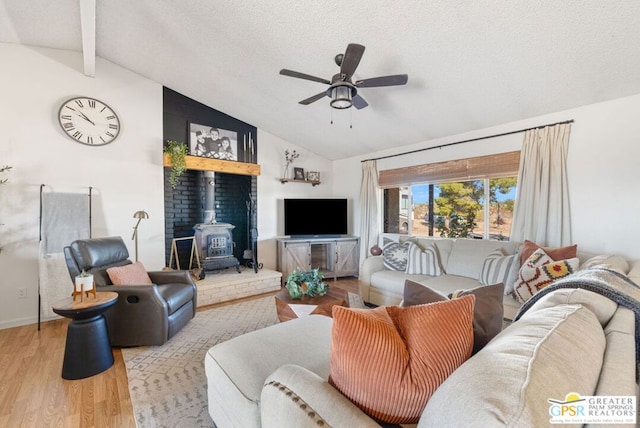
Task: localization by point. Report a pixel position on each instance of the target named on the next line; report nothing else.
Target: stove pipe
(209, 198)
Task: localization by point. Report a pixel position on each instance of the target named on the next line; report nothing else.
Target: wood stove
(214, 240)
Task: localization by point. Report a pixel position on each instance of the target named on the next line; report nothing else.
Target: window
(454, 208)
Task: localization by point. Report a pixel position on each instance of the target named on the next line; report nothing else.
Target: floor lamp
(139, 215)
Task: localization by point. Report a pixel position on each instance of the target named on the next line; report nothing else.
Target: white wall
(271, 192)
(603, 159)
(126, 175)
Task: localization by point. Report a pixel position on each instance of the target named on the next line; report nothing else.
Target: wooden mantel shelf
(217, 165)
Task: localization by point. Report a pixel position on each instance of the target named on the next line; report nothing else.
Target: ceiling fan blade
(351, 59)
(359, 102)
(299, 75)
(396, 79)
(313, 99)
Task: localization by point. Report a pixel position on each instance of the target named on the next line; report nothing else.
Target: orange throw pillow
(133, 274)
(390, 360)
(560, 253)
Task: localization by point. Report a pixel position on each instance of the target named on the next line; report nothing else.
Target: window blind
(475, 168)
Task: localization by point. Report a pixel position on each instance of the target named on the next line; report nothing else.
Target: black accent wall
(184, 205)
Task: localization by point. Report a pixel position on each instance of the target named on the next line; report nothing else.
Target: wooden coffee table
(289, 308)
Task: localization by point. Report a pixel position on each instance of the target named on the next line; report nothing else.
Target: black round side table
(88, 350)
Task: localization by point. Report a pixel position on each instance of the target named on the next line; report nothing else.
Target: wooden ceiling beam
(88, 29)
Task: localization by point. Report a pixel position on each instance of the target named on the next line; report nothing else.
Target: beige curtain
(542, 207)
(368, 208)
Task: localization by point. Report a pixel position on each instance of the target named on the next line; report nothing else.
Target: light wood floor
(33, 393)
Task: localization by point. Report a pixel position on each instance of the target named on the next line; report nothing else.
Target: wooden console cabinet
(335, 257)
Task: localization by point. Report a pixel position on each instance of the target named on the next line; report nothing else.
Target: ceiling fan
(342, 90)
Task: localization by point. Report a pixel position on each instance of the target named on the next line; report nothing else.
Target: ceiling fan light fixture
(341, 97)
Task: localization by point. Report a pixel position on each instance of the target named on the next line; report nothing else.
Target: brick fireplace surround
(184, 208)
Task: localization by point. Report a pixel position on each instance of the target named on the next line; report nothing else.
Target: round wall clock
(89, 121)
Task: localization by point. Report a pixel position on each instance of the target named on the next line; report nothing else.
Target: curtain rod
(470, 140)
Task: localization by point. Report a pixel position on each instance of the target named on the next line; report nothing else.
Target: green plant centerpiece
(308, 283)
(177, 152)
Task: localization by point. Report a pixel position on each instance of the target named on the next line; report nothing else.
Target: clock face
(89, 121)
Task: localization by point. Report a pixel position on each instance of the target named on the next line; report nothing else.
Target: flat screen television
(315, 217)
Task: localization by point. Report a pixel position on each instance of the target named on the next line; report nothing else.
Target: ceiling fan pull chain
(331, 115)
(350, 119)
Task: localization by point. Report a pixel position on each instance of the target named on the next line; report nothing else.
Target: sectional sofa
(570, 341)
(461, 259)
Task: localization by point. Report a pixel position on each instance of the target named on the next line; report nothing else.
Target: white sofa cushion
(468, 255)
(390, 281)
(236, 369)
(509, 381)
(614, 262)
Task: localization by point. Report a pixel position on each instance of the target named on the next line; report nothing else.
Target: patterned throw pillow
(540, 270)
(133, 274)
(498, 268)
(394, 256)
(389, 360)
(424, 262)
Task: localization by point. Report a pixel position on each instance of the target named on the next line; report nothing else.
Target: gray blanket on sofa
(607, 282)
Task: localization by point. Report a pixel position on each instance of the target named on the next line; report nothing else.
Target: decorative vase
(376, 250)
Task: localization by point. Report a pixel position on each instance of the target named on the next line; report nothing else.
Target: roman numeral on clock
(92, 103)
(77, 135)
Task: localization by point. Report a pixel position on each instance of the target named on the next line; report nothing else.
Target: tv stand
(334, 256)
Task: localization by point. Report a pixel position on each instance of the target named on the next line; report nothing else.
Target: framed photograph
(313, 176)
(211, 142)
(298, 173)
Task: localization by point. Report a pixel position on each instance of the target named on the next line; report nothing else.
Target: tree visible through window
(456, 209)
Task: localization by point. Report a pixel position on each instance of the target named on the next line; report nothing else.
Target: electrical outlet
(22, 293)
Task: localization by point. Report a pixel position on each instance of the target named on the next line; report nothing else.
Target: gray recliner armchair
(148, 314)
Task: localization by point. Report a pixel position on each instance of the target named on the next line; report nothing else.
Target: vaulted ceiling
(471, 64)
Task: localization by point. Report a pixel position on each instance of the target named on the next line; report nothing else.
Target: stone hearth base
(228, 285)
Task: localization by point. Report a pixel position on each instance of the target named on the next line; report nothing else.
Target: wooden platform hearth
(222, 286)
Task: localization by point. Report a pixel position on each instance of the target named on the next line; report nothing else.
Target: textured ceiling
(471, 64)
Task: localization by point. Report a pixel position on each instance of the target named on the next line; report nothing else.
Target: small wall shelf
(293, 180)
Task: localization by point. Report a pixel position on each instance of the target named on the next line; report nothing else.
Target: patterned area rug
(167, 383)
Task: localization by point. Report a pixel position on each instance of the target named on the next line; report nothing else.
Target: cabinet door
(347, 258)
(296, 255)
